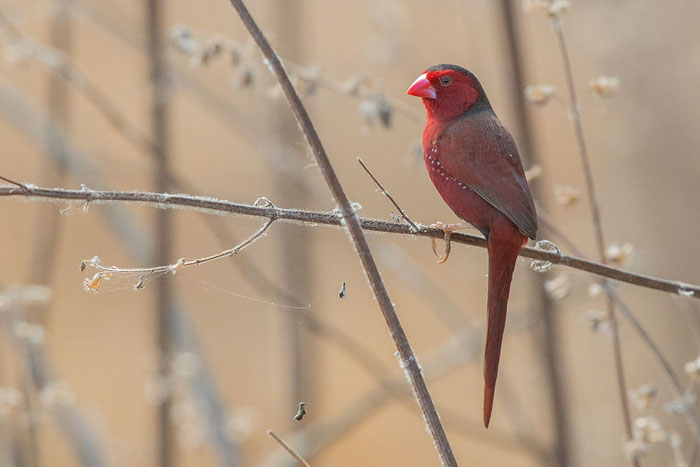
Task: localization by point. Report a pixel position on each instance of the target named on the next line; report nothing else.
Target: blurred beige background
(238, 142)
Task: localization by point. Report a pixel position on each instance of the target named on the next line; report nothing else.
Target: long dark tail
(502, 256)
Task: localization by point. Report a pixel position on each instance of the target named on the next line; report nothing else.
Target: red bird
(474, 164)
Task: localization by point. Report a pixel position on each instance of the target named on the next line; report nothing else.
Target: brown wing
(483, 156)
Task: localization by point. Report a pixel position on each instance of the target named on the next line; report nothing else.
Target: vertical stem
(49, 224)
(575, 115)
(294, 243)
(159, 117)
(549, 343)
(58, 103)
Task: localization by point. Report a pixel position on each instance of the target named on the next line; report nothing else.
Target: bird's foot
(447, 229)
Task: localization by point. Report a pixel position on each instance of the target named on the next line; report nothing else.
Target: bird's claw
(448, 247)
(447, 229)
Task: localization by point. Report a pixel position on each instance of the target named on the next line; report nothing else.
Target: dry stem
(210, 205)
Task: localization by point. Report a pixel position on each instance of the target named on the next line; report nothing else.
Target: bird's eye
(446, 80)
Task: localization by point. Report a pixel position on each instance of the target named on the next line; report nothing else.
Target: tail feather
(502, 257)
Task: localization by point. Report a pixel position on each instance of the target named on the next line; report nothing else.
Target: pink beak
(422, 88)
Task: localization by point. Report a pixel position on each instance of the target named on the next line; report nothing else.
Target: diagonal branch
(216, 206)
(352, 223)
(288, 448)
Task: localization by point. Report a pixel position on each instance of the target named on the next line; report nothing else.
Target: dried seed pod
(566, 195)
(606, 86)
(539, 94)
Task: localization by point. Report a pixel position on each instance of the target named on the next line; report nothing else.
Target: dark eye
(446, 80)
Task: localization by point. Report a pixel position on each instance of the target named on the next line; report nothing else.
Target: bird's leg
(447, 229)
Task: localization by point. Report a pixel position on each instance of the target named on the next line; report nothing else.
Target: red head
(448, 91)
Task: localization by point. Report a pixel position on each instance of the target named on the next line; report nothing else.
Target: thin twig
(209, 205)
(354, 228)
(575, 114)
(288, 448)
(386, 193)
(105, 272)
(20, 185)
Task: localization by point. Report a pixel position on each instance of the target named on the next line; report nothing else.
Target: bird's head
(448, 91)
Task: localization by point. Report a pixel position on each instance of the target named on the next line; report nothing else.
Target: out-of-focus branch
(160, 152)
(48, 234)
(547, 339)
(439, 362)
(575, 115)
(294, 246)
(352, 224)
(666, 367)
(210, 205)
(203, 388)
(27, 338)
(57, 63)
(49, 228)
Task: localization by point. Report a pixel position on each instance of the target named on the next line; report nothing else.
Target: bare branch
(352, 223)
(211, 205)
